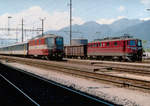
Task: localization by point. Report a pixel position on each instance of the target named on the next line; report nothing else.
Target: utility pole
(42, 25)
(8, 24)
(16, 35)
(70, 21)
(22, 30)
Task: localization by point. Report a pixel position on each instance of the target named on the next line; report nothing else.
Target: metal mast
(8, 24)
(70, 21)
(42, 19)
(22, 29)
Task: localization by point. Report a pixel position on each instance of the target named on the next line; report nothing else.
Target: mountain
(92, 30)
(141, 30)
(123, 24)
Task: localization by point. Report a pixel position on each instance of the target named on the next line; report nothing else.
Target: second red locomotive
(121, 48)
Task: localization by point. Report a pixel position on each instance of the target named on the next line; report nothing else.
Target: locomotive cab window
(132, 43)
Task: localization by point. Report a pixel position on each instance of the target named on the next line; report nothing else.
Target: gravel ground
(112, 93)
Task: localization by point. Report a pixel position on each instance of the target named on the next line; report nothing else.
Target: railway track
(133, 68)
(40, 91)
(92, 74)
(128, 69)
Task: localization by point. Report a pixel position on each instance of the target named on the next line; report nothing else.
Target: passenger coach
(19, 49)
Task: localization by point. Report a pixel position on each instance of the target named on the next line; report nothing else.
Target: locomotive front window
(59, 41)
(139, 43)
(132, 43)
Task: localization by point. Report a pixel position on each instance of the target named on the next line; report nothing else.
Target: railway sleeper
(103, 69)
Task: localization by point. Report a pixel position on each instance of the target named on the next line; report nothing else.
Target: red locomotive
(121, 48)
(48, 46)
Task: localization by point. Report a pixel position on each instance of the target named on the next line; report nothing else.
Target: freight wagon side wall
(77, 51)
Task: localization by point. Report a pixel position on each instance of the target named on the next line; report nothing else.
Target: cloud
(109, 21)
(145, 19)
(121, 8)
(145, 2)
(54, 20)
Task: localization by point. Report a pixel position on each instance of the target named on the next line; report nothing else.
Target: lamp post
(8, 23)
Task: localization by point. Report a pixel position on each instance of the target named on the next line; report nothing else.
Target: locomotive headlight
(139, 48)
(133, 48)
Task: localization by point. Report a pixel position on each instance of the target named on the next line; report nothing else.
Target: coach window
(115, 43)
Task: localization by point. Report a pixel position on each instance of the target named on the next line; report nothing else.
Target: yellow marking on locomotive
(24, 50)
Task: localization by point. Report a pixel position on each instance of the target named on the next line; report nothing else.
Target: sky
(56, 12)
